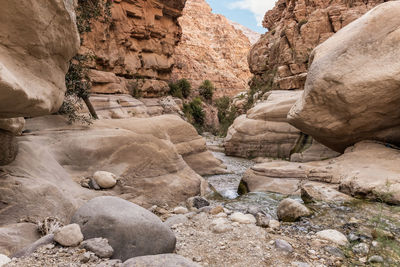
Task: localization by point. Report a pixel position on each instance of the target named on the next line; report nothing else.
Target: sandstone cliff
(211, 49)
(295, 29)
(135, 40)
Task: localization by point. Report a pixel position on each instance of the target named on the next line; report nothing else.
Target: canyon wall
(295, 28)
(211, 49)
(131, 46)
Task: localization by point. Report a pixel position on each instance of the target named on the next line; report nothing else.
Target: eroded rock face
(353, 86)
(137, 40)
(147, 154)
(34, 55)
(264, 130)
(295, 29)
(211, 49)
(368, 170)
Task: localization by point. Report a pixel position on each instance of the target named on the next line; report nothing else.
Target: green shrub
(181, 88)
(206, 90)
(195, 113)
(226, 114)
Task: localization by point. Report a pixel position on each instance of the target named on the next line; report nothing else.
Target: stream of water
(358, 219)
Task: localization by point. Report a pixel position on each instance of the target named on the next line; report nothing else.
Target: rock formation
(133, 46)
(295, 28)
(211, 49)
(34, 58)
(265, 132)
(367, 169)
(250, 34)
(352, 91)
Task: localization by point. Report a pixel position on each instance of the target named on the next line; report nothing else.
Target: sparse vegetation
(181, 88)
(206, 90)
(226, 114)
(76, 79)
(195, 113)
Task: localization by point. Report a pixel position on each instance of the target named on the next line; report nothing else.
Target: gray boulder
(164, 260)
(131, 230)
(290, 210)
(98, 246)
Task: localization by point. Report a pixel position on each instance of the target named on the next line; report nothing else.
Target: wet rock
(376, 259)
(176, 219)
(262, 220)
(180, 210)
(283, 245)
(333, 236)
(69, 236)
(163, 260)
(197, 202)
(242, 218)
(99, 246)
(4, 259)
(105, 179)
(131, 230)
(361, 249)
(290, 210)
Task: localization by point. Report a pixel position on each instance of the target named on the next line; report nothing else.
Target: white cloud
(257, 7)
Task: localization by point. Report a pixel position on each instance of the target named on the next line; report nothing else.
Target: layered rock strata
(368, 170)
(295, 28)
(265, 132)
(132, 47)
(211, 49)
(353, 87)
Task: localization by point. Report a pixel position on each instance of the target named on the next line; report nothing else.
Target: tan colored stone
(368, 170)
(14, 125)
(34, 55)
(264, 131)
(211, 49)
(349, 97)
(295, 28)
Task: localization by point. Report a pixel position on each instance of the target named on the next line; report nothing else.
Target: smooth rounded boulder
(352, 92)
(131, 230)
(289, 210)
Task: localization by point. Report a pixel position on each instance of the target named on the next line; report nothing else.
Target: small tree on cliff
(206, 90)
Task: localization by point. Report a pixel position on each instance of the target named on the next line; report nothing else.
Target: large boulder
(367, 169)
(130, 229)
(353, 86)
(37, 40)
(264, 131)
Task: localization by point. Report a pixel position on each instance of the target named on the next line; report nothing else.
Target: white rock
(220, 225)
(4, 259)
(69, 236)
(333, 236)
(180, 210)
(274, 224)
(105, 179)
(242, 218)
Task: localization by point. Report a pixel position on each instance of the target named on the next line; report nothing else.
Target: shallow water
(357, 219)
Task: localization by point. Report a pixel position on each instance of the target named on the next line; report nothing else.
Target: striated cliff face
(295, 29)
(132, 49)
(211, 48)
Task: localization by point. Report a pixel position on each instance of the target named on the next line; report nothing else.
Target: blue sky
(246, 12)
